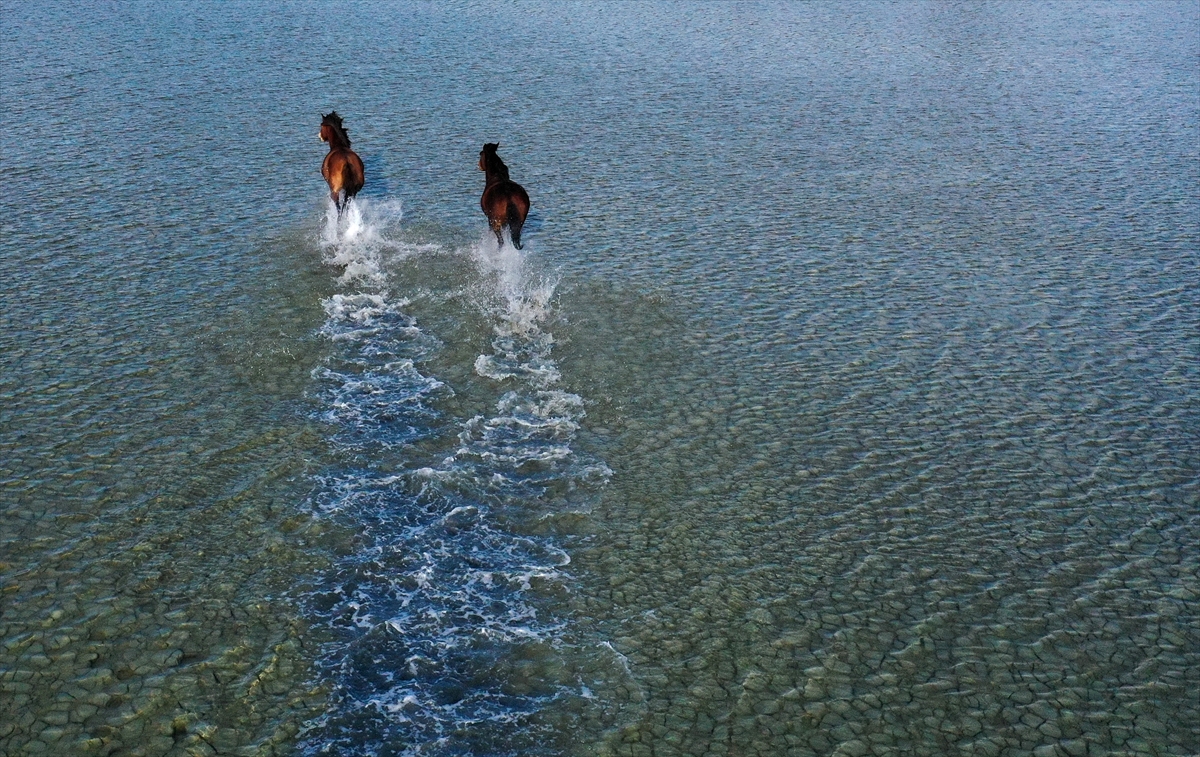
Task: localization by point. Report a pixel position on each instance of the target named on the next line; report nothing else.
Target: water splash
(366, 239)
(524, 300)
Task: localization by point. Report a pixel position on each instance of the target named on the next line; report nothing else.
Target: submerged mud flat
(822, 610)
(111, 642)
(844, 400)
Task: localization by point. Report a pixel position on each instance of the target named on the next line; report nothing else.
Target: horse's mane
(492, 161)
(334, 120)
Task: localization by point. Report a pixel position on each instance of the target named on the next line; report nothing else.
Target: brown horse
(504, 201)
(342, 168)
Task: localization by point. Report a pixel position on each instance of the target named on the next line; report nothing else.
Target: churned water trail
(445, 636)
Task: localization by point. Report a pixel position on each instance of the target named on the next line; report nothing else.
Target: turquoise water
(843, 400)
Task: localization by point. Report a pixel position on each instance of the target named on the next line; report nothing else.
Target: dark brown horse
(342, 168)
(504, 201)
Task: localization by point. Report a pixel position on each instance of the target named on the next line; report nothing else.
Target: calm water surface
(843, 401)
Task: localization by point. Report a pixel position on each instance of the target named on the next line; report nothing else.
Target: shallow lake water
(843, 400)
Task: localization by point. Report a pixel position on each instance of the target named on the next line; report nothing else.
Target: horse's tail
(352, 178)
(516, 219)
(518, 208)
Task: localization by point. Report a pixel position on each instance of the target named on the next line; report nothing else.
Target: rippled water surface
(844, 399)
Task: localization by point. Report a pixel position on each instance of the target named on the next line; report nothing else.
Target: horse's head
(490, 163)
(488, 156)
(332, 130)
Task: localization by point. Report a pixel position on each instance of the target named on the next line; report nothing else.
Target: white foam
(524, 301)
(365, 239)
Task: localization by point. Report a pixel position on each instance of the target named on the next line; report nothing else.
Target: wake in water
(448, 641)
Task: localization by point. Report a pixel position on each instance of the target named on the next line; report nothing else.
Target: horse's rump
(343, 170)
(506, 203)
(505, 200)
